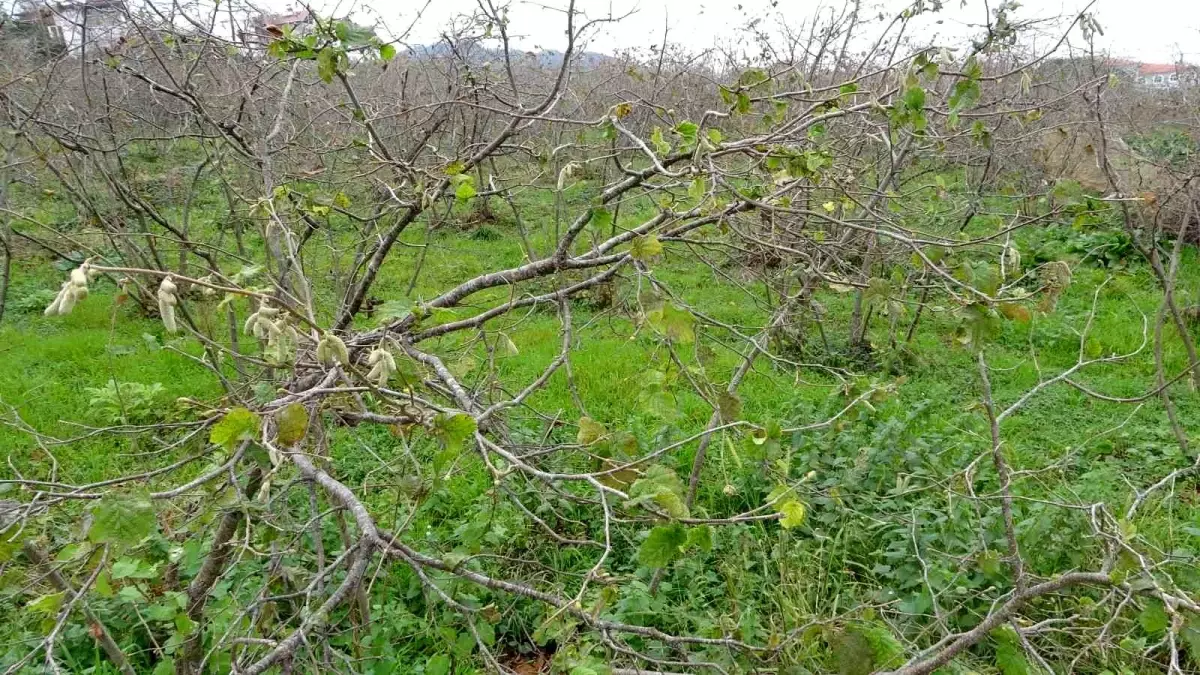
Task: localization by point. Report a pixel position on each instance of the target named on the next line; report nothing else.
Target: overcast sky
(1148, 30)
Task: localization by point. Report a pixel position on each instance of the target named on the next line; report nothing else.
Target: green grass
(758, 579)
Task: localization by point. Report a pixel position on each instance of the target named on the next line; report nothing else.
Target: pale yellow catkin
(383, 366)
(74, 289)
(167, 302)
(331, 351)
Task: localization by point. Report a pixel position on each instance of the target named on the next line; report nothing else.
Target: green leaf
(608, 130)
(1010, 655)
(590, 431)
(125, 568)
(439, 664)
(660, 145)
(327, 64)
(697, 188)
(354, 36)
(877, 289)
(464, 645)
(465, 189)
(1154, 618)
(11, 540)
(743, 103)
(672, 503)
(964, 95)
(122, 519)
(48, 604)
(914, 99)
(601, 219)
(989, 563)
(184, 624)
(645, 247)
(664, 544)
(1191, 637)
(131, 594)
(103, 585)
(160, 612)
(387, 52)
(714, 136)
(662, 487)
(700, 537)
(675, 322)
(887, 652)
(454, 429)
(292, 424)
(979, 323)
(392, 310)
(688, 132)
(237, 425)
(486, 632)
(793, 514)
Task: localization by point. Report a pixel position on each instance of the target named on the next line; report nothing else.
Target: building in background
(267, 27)
(1166, 75)
(67, 26)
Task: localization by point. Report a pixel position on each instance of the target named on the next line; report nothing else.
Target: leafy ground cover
(884, 520)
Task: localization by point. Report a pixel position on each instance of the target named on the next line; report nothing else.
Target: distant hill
(547, 58)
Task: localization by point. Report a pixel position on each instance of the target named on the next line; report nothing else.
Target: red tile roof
(1157, 68)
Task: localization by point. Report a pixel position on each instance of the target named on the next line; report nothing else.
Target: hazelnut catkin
(260, 323)
(383, 366)
(73, 290)
(331, 351)
(167, 302)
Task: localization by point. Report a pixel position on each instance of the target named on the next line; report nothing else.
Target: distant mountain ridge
(546, 58)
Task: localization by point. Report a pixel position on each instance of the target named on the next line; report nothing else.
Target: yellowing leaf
(677, 323)
(454, 429)
(662, 487)
(660, 145)
(1015, 312)
(829, 206)
(293, 424)
(590, 431)
(466, 187)
(645, 247)
(730, 406)
(505, 346)
(793, 513)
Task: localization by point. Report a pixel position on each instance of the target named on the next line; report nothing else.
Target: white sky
(1147, 30)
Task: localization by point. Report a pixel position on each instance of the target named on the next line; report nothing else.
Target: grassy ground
(757, 578)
